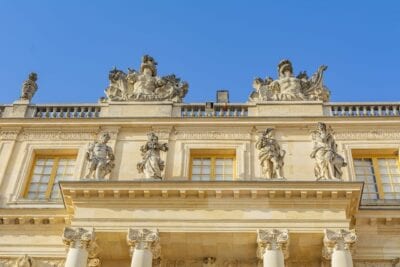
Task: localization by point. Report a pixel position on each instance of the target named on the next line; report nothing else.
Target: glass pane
(196, 161)
(45, 178)
(35, 178)
(206, 170)
(196, 170)
(219, 170)
(47, 169)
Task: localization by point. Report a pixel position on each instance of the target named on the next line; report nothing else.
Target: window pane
(365, 173)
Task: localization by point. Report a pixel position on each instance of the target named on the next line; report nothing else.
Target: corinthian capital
(78, 237)
(145, 239)
(272, 239)
(338, 240)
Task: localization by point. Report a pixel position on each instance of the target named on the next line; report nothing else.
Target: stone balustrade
(214, 110)
(363, 109)
(66, 111)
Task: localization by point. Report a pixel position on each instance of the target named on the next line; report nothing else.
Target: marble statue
(289, 87)
(145, 85)
(152, 165)
(100, 157)
(271, 155)
(29, 87)
(328, 163)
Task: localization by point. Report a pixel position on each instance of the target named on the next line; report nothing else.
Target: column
(337, 245)
(145, 246)
(78, 241)
(272, 247)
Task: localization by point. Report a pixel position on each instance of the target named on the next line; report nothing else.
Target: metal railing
(214, 110)
(364, 109)
(66, 111)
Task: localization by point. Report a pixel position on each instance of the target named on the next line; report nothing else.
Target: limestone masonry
(143, 179)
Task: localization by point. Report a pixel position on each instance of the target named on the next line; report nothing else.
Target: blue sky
(210, 44)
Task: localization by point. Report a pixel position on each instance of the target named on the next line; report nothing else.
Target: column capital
(145, 239)
(341, 239)
(272, 239)
(78, 237)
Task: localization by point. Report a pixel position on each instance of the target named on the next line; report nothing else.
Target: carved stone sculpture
(328, 163)
(290, 88)
(100, 157)
(25, 261)
(151, 164)
(145, 85)
(78, 237)
(145, 239)
(29, 87)
(270, 155)
(338, 240)
(272, 239)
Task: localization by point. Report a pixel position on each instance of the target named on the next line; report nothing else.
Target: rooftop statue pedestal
(137, 109)
(287, 109)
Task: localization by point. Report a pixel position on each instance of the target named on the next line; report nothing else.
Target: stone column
(78, 241)
(337, 246)
(272, 247)
(145, 246)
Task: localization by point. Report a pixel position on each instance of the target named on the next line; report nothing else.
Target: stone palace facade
(143, 179)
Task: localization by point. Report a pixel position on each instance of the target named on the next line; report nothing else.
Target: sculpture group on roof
(145, 85)
(289, 87)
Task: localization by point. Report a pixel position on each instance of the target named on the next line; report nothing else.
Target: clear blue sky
(211, 44)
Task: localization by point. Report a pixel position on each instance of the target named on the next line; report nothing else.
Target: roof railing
(67, 111)
(214, 110)
(364, 109)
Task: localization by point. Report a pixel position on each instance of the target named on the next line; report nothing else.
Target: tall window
(379, 170)
(47, 171)
(212, 165)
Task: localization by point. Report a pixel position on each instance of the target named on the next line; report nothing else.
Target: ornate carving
(95, 262)
(273, 239)
(145, 239)
(78, 237)
(337, 240)
(328, 163)
(58, 134)
(271, 155)
(29, 87)
(213, 135)
(290, 88)
(376, 134)
(145, 85)
(25, 261)
(209, 262)
(151, 164)
(100, 157)
(9, 133)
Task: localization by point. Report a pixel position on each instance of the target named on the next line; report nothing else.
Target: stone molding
(272, 239)
(9, 133)
(145, 239)
(78, 237)
(341, 239)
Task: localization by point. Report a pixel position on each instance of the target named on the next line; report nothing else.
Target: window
(379, 170)
(47, 171)
(212, 164)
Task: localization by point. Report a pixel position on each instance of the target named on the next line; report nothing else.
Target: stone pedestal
(78, 241)
(337, 246)
(272, 247)
(145, 246)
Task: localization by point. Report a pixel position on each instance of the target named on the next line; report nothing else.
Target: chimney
(222, 96)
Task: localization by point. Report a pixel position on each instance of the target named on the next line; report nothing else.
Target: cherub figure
(100, 157)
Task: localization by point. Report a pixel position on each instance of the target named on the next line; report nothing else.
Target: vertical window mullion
(52, 177)
(212, 171)
(378, 177)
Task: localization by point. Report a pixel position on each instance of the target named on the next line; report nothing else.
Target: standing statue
(289, 87)
(328, 163)
(152, 165)
(100, 157)
(271, 155)
(29, 87)
(145, 85)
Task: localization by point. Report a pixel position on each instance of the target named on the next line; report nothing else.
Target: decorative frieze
(212, 135)
(28, 261)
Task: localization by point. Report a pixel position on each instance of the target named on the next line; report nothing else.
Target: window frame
(213, 154)
(375, 155)
(55, 154)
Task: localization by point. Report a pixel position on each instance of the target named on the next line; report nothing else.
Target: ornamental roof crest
(288, 87)
(145, 85)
